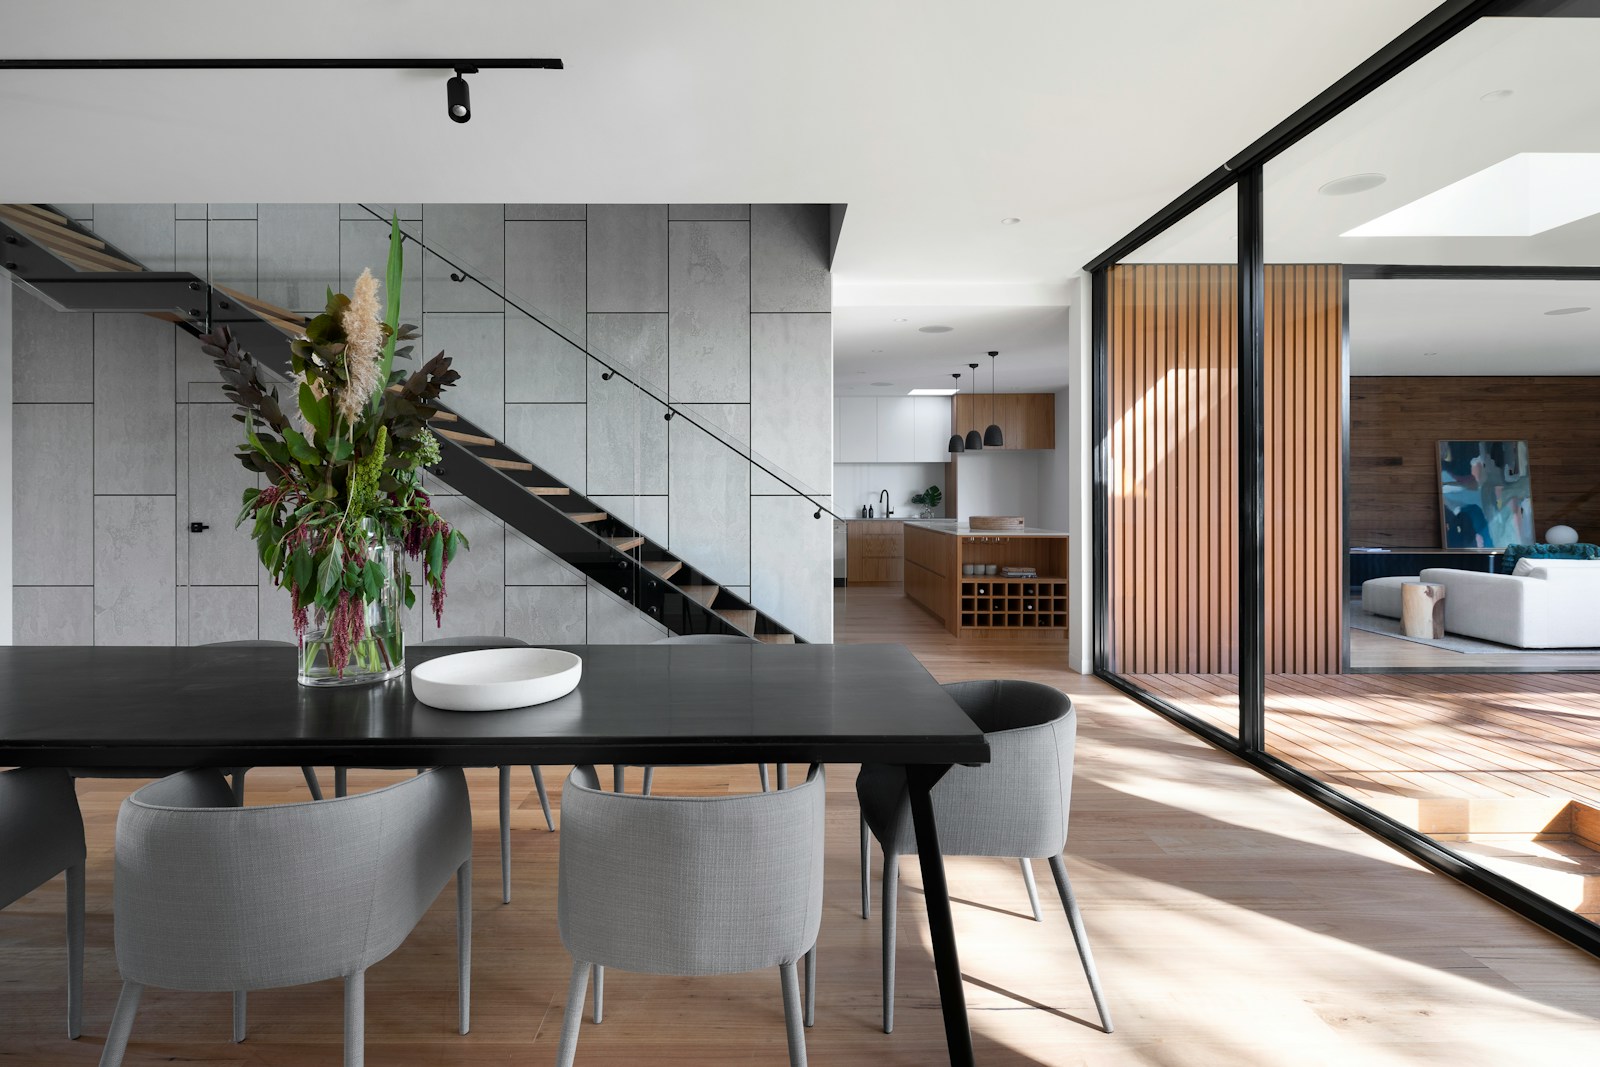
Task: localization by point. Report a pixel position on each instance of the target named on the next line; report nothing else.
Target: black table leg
(952, 999)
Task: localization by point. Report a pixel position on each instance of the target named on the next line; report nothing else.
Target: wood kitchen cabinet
(1028, 420)
(875, 551)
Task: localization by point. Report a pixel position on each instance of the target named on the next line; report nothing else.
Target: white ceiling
(1448, 327)
(871, 345)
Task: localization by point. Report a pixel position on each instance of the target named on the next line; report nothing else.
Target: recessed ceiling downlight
(935, 329)
(1353, 183)
(1566, 311)
(1497, 94)
(1010, 220)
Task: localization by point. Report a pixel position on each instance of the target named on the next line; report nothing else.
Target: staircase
(75, 271)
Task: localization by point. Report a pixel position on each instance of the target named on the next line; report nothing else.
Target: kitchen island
(969, 604)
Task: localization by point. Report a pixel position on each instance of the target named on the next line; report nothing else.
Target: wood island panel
(992, 605)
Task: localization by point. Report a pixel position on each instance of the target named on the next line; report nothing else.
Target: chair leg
(238, 786)
(464, 944)
(891, 887)
(866, 871)
(765, 787)
(121, 1025)
(791, 1015)
(544, 798)
(341, 781)
(239, 1009)
(355, 1019)
(1058, 867)
(811, 986)
(599, 993)
(649, 780)
(573, 1019)
(1033, 890)
(617, 778)
(312, 783)
(75, 897)
(505, 835)
(783, 776)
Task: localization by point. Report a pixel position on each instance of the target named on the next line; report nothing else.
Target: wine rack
(1000, 603)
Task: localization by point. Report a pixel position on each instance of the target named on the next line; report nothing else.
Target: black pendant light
(974, 438)
(956, 444)
(993, 437)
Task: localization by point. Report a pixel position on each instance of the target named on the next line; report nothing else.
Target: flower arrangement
(343, 478)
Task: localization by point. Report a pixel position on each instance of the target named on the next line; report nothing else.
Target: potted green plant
(343, 506)
(929, 500)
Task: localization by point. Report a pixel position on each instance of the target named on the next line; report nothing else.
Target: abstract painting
(1484, 496)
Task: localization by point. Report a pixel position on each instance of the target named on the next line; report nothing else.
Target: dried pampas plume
(363, 329)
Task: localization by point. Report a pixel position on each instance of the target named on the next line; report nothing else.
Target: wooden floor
(1234, 924)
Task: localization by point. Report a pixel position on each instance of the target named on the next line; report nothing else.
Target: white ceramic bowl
(495, 679)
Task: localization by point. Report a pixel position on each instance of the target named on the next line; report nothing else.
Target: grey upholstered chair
(310, 773)
(341, 777)
(1015, 805)
(212, 896)
(746, 888)
(41, 835)
(701, 639)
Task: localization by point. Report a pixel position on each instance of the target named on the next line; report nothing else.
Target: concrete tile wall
(721, 309)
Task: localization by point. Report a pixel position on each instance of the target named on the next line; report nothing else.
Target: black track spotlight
(458, 96)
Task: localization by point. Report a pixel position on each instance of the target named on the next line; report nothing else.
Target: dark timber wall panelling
(1396, 424)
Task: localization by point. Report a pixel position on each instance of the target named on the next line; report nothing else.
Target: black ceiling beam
(280, 64)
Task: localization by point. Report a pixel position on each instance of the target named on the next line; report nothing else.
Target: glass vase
(380, 653)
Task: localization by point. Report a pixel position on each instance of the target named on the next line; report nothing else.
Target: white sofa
(1545, 603)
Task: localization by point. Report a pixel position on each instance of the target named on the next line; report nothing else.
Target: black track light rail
(299, 63)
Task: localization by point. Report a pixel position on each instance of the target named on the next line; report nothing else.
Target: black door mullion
(1251, 292)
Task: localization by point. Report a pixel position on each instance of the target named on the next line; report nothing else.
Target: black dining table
(126, 708)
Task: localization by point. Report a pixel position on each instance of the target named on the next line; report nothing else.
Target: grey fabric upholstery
(211, 896)
(41, 835)
(1016, 805)
(689, 886)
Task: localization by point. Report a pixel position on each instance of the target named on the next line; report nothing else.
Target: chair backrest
(690, 885)
(1017, 803)
(41, 829)
(706, 639)
(487, 641)
(210, 896)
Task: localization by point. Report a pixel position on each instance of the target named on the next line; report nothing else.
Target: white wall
(1055, 472)
(855, 484)
(994, 482)
(5, 460)
(1073, 436)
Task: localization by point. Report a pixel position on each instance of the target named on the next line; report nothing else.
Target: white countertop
(961, 529)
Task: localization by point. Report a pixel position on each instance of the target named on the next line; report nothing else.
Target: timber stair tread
(586, 516)
(549, 490)
(464, 438)
(55, 235)
(507, 464)
(776, 639)
(444, 416)
(701, 594)
(743, 618)
(664, 568)
(622, 544)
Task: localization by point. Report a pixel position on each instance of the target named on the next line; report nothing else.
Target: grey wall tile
(628, 257)
(135, 579)
(274, 621)
(221, 613)
(529, 564)
(196, 379)
(52, 540)
(299, 255)
(710, 323)
(76, 212)
(613, 621)
(710, 505)
(627, 434)
(544, 276)
(552, 436)
(230, 211)
(545, 212)
(710, 212)
(407, 212)
(647, 514)
(475, 581)
(789, 258)
(231, 254)
(547, 614)
(52, 352)
(471, 236)
(53, 615)
(791, 564)
(190, 211)
(476, 347)
(791, 398)
(364, 245)
(144, 231)
(222, 555)
(134, 421)
(192, 240)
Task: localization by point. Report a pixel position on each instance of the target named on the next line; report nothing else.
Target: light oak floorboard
(1234, 923)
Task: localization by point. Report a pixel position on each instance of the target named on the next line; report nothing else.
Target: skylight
(933, 392)
(1529, 193)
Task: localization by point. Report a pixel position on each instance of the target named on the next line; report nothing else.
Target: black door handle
(198, 527)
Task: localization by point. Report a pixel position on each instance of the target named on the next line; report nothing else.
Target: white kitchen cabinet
(897, 429)
(931, 436)
(857, 418)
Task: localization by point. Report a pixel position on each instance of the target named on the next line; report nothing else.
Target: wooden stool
(1422, 610)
